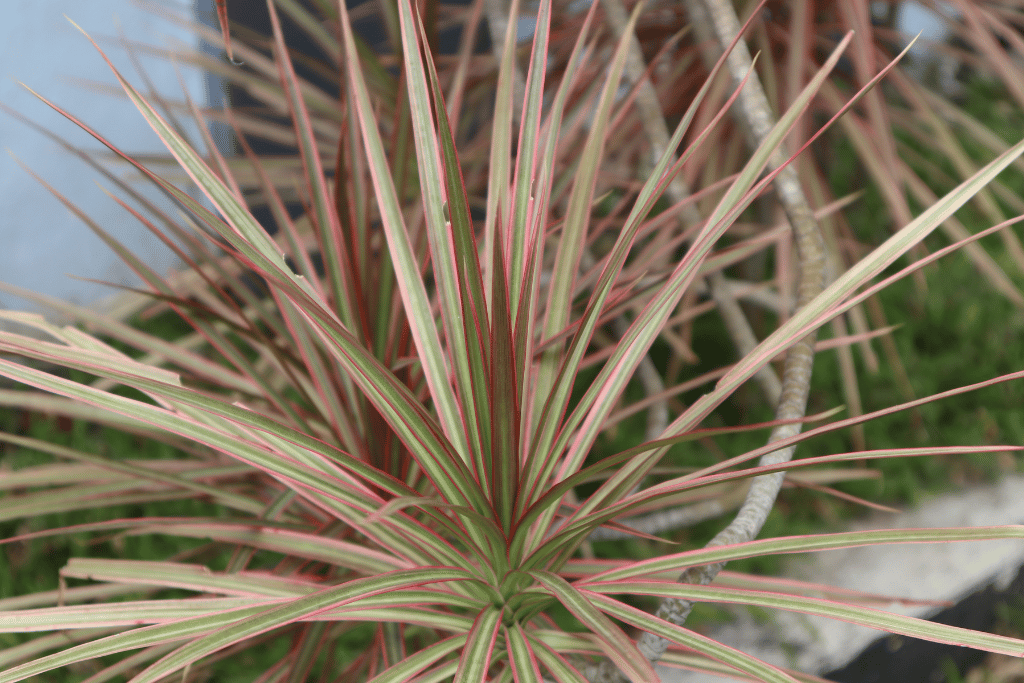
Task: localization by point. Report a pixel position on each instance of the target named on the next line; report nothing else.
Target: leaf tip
(75, 24)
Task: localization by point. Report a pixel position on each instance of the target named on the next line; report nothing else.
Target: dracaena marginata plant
(392, 401)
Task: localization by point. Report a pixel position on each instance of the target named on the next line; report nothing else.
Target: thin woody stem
(718, 22)
(753, 111)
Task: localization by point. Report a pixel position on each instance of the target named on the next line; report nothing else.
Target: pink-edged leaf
(37, 401)
(222, 18)
(477, 653)
(69, 596)
(968, 240)
(615, 644)
(406, 263)
(452, 245)
(83, 497)
(854, 614)
(313, 25)
(524, 229)
(300, 608)
(132, 613)
(734, 658)
(322, 376)
(503, 397)
(562, 290)
(731, 579)
(398, 611)
(167, 386)
(403, 606)
(495, 387)
(560, 670)
(521, 656)
(862, 418)
(677, 562)
(335, 552)
(474, 316)
(339, 264)
(406, 669)
(194, 577)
